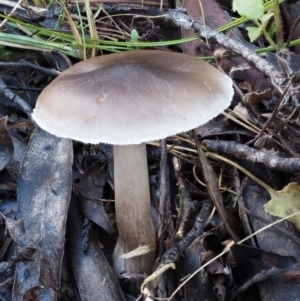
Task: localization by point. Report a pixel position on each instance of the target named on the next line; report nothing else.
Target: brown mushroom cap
(132, 97)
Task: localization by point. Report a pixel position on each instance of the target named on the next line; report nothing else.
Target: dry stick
(189, 208)
(284, 145)
(24, 64)
(228, 248)
(258, 278)
(177, 167)
(178, 247)
(179, 18)
(171, 255)
(164, 193)
(15, 98)
(292, 31)
(163, 196)
(24, 88)
(268, 122)
(241, 151)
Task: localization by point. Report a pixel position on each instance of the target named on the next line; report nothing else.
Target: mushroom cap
(132, 97)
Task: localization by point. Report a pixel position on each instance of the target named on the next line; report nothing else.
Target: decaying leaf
(94, 278)
(285, 202)
(44, 190)
(91, 189)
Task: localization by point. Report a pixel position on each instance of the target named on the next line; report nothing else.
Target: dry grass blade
(92, 26)
(11, 13)
(73, 27)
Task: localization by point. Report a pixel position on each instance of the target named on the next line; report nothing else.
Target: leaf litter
(36, 255)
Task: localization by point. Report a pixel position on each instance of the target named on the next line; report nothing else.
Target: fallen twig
(15, 98)
(240, 151)
(179, 18)
(24, 64)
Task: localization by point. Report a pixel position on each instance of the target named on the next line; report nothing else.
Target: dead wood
(179, 18)
(242, 151)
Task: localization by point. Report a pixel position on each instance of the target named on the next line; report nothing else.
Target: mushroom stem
(133, 210)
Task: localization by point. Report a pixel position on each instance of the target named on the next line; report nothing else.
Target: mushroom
(127, 99)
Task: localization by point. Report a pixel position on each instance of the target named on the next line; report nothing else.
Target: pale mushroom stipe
(126, 99)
